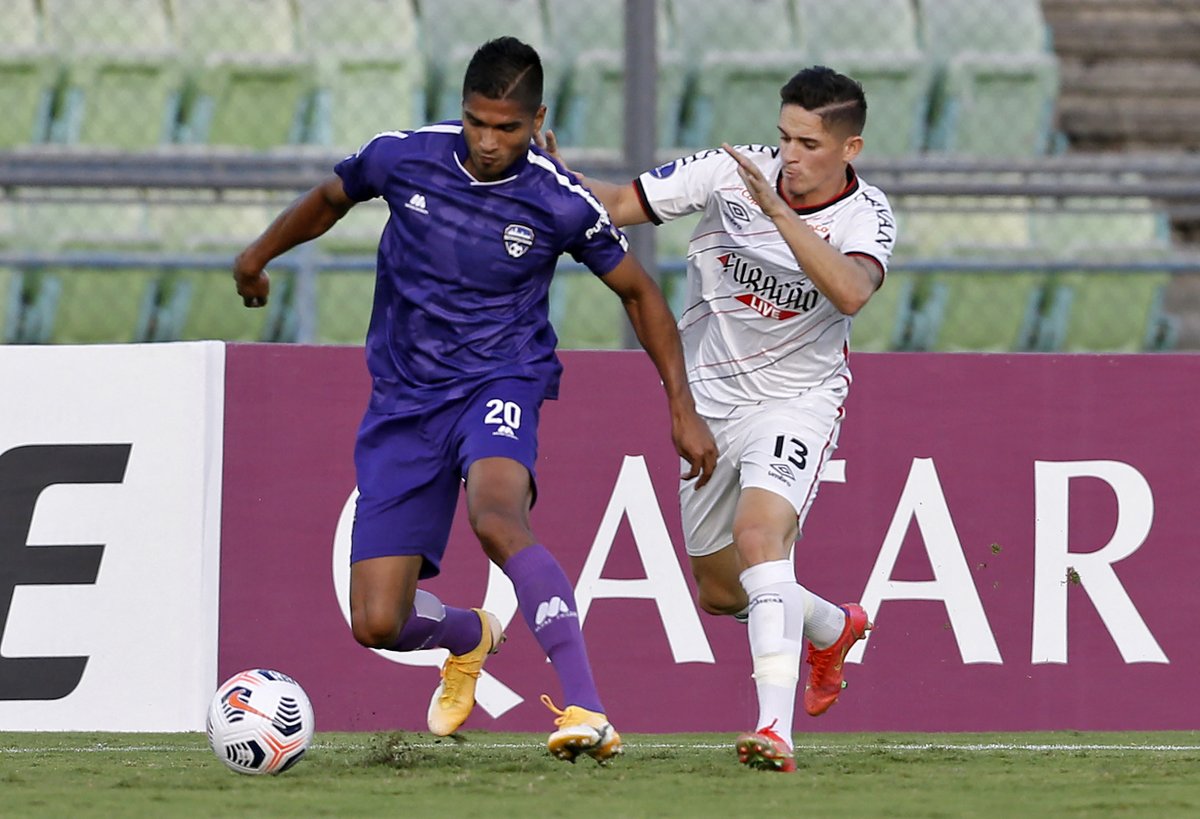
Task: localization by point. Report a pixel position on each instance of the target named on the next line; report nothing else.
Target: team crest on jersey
(518, 239)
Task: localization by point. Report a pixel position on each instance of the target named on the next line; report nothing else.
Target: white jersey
(754, 327)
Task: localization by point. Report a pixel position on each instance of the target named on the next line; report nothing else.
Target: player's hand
(253, 282)
(759, 186)
(694, 443)
(548, 142)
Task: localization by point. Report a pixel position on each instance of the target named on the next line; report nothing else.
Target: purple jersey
(464, 267)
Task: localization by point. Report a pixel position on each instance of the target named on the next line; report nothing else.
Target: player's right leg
(406, 503)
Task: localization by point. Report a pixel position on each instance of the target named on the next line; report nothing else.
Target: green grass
(693, 775)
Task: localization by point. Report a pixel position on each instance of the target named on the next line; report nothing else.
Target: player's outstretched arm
(847, 281)
(621, 201)
(307, 218)
(655, 328)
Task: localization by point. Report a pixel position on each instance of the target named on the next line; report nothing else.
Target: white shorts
(780, 447)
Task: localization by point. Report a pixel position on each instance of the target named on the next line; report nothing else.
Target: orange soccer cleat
(765, 750)
(825, 679)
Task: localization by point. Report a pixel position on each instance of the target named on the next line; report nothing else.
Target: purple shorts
(410, 467)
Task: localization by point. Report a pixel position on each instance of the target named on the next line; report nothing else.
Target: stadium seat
(10, 304)
(1110, 312)
(948, 226)
(346, 293)
(973, 311)
(248, 85)
(187, 220)
(370, 71)
(203, 304)
(588, 40)
(875, 42)
(883, 324)
(997, 78)
(28, 76)
(586, 315)
(123, 77)
(736, 64)
(78, 217)
(592, 113)
(88, 305)
(453, 31)
(344, 300)
(1096, 224)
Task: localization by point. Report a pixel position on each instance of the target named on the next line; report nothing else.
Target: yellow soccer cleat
(581, 731)
(455, 695)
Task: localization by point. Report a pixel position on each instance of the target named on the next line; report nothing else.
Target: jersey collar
(460, 156)
(849, 190)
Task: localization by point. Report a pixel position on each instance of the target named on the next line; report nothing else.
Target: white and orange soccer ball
(260, 722)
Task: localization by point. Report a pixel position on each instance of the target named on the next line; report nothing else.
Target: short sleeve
(593, 240)
(681, 186)
(365, 172)
(871, 232)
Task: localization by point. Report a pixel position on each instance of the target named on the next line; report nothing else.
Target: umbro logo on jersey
(738, 212)
(551, 609)
(518, 239)
(417, 202)
(782, 472)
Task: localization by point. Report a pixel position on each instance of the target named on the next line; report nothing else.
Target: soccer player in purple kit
(461, 355)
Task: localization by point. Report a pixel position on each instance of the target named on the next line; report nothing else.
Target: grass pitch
(660, 775)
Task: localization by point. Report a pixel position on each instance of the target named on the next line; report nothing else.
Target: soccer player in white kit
(791, 244)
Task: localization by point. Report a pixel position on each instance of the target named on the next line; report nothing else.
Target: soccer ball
(260, 722)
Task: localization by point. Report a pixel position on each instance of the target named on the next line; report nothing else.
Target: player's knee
(375, 631)
(757, 544)
(500, 534)
(719, 598)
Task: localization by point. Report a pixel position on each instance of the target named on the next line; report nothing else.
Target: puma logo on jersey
(551, 609)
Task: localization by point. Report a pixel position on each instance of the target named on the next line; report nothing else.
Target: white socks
(823, 621)
(777, 616)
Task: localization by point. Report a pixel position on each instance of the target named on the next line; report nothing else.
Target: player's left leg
(498, 498)
(499, 448)
(764, 528)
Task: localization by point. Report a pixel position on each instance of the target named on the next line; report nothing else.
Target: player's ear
(852, 147)
(539, 119)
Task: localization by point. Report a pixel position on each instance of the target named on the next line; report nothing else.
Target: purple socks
(547, 603)
(432, 625)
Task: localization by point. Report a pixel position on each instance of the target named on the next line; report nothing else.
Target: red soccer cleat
(765, 750)
(825, 678)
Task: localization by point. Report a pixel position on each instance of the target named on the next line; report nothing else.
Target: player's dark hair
(837, 99)
(505, 68)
